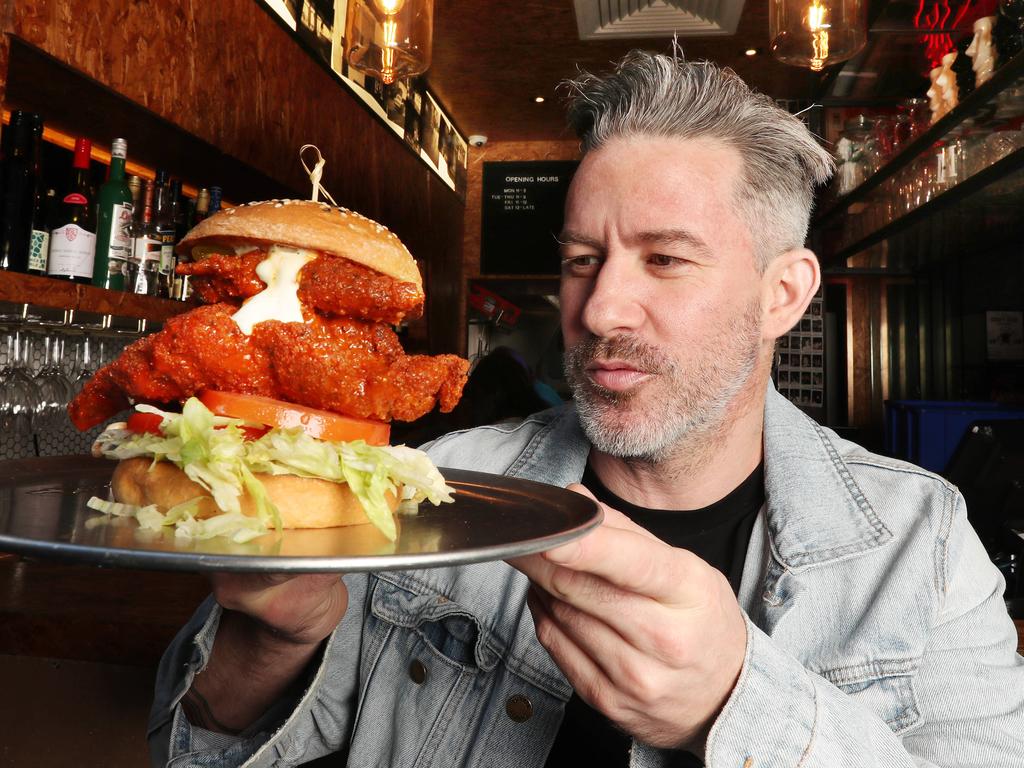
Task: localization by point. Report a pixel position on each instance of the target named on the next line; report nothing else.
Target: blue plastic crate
(927, 432)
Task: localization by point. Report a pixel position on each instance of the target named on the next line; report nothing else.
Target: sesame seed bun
(313, 226)
(303, 502)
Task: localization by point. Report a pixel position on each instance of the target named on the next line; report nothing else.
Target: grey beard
(693, 408)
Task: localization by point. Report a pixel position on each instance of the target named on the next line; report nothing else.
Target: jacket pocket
(450, 631)
(885, 687)
(440, 690)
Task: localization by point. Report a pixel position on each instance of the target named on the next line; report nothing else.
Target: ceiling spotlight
(539, 99)
(751, 52)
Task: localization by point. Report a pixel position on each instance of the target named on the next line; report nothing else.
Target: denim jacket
(876, 633)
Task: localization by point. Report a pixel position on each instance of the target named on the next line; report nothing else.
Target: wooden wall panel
(227, 73)
(6, 12)
(866, 364)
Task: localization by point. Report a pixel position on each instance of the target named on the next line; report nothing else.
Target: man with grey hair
(772, 596)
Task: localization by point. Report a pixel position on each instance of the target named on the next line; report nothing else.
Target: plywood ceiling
(493, 57)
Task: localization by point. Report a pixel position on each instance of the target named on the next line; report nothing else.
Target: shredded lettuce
(116, 507)
(213, 452)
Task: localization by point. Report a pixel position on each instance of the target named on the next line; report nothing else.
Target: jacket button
(519, 708)
(417, 672)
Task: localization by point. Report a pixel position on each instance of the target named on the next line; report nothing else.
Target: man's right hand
(299, 609)
(271, 629)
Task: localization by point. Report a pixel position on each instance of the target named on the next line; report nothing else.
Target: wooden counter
(92, 614)
(78, 651)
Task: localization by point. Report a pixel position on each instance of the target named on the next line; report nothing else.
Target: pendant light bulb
(816, 33)
(389, 39)
(389, 7)
(817, 24)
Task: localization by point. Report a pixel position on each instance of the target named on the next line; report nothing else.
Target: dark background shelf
(971, 204)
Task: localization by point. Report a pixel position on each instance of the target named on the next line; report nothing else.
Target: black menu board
(521, 215)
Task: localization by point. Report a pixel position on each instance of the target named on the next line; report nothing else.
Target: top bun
(316, 226)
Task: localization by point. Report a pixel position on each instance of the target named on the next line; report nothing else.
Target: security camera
(477, 140)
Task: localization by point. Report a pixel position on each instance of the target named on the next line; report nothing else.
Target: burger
(269, 406)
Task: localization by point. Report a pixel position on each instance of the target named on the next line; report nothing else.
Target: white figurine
(946, 82)
(935, 94)
(981, 50)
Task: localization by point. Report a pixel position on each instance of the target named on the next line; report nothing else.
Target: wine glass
(53, 387)
(18, 400)
(86, 364)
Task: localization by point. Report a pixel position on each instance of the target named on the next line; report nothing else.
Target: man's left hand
(649, 635)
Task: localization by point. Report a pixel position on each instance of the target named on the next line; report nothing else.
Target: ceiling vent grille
(606, 19)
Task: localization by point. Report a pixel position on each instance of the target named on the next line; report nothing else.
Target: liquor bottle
(135, 185)
(215, 195)
(113, 241)
(73, 240)
(185, 216)
(42, 223)
(166, 205)
(144, 263)
(202, 206)
(43, 207)
(185, 212)
(19, 184)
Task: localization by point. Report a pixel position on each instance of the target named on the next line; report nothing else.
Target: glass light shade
(816, 33)
(389, 39)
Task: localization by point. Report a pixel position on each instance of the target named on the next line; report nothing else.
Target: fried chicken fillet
(356, 279)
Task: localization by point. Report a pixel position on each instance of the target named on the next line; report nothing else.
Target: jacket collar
(557, 453)
(815, 511)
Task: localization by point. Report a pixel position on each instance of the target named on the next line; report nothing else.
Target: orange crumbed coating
(329, 284)
(352, 368)
(346, 365)
(227, 278)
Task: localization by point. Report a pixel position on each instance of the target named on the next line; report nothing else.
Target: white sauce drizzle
(280, 299)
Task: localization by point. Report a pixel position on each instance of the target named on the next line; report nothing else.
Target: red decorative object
(493, 307)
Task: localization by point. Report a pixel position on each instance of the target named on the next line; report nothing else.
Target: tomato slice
(140, 422)
(323, 425)
(150, 422)
(254, 433)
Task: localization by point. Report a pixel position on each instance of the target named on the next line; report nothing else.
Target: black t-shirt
(719, 534)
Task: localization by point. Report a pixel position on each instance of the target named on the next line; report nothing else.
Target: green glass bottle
(114, 219)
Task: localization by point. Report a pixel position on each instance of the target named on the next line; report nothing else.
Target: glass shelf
(998, 187)
(986, 107)
(969, 160)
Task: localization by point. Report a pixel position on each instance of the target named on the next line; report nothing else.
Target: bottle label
(120, 222)
(144, 264)
(39, 248)
(72, 252)
(76, 198)
(145, 250)
(166, 252)
(166, 258)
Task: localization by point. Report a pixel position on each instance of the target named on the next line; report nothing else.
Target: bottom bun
(302, 501)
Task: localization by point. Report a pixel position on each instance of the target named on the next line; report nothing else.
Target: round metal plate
(43, 513)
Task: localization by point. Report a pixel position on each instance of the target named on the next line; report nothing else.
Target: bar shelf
(959, 181)
(979, 105)
(62, 294)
